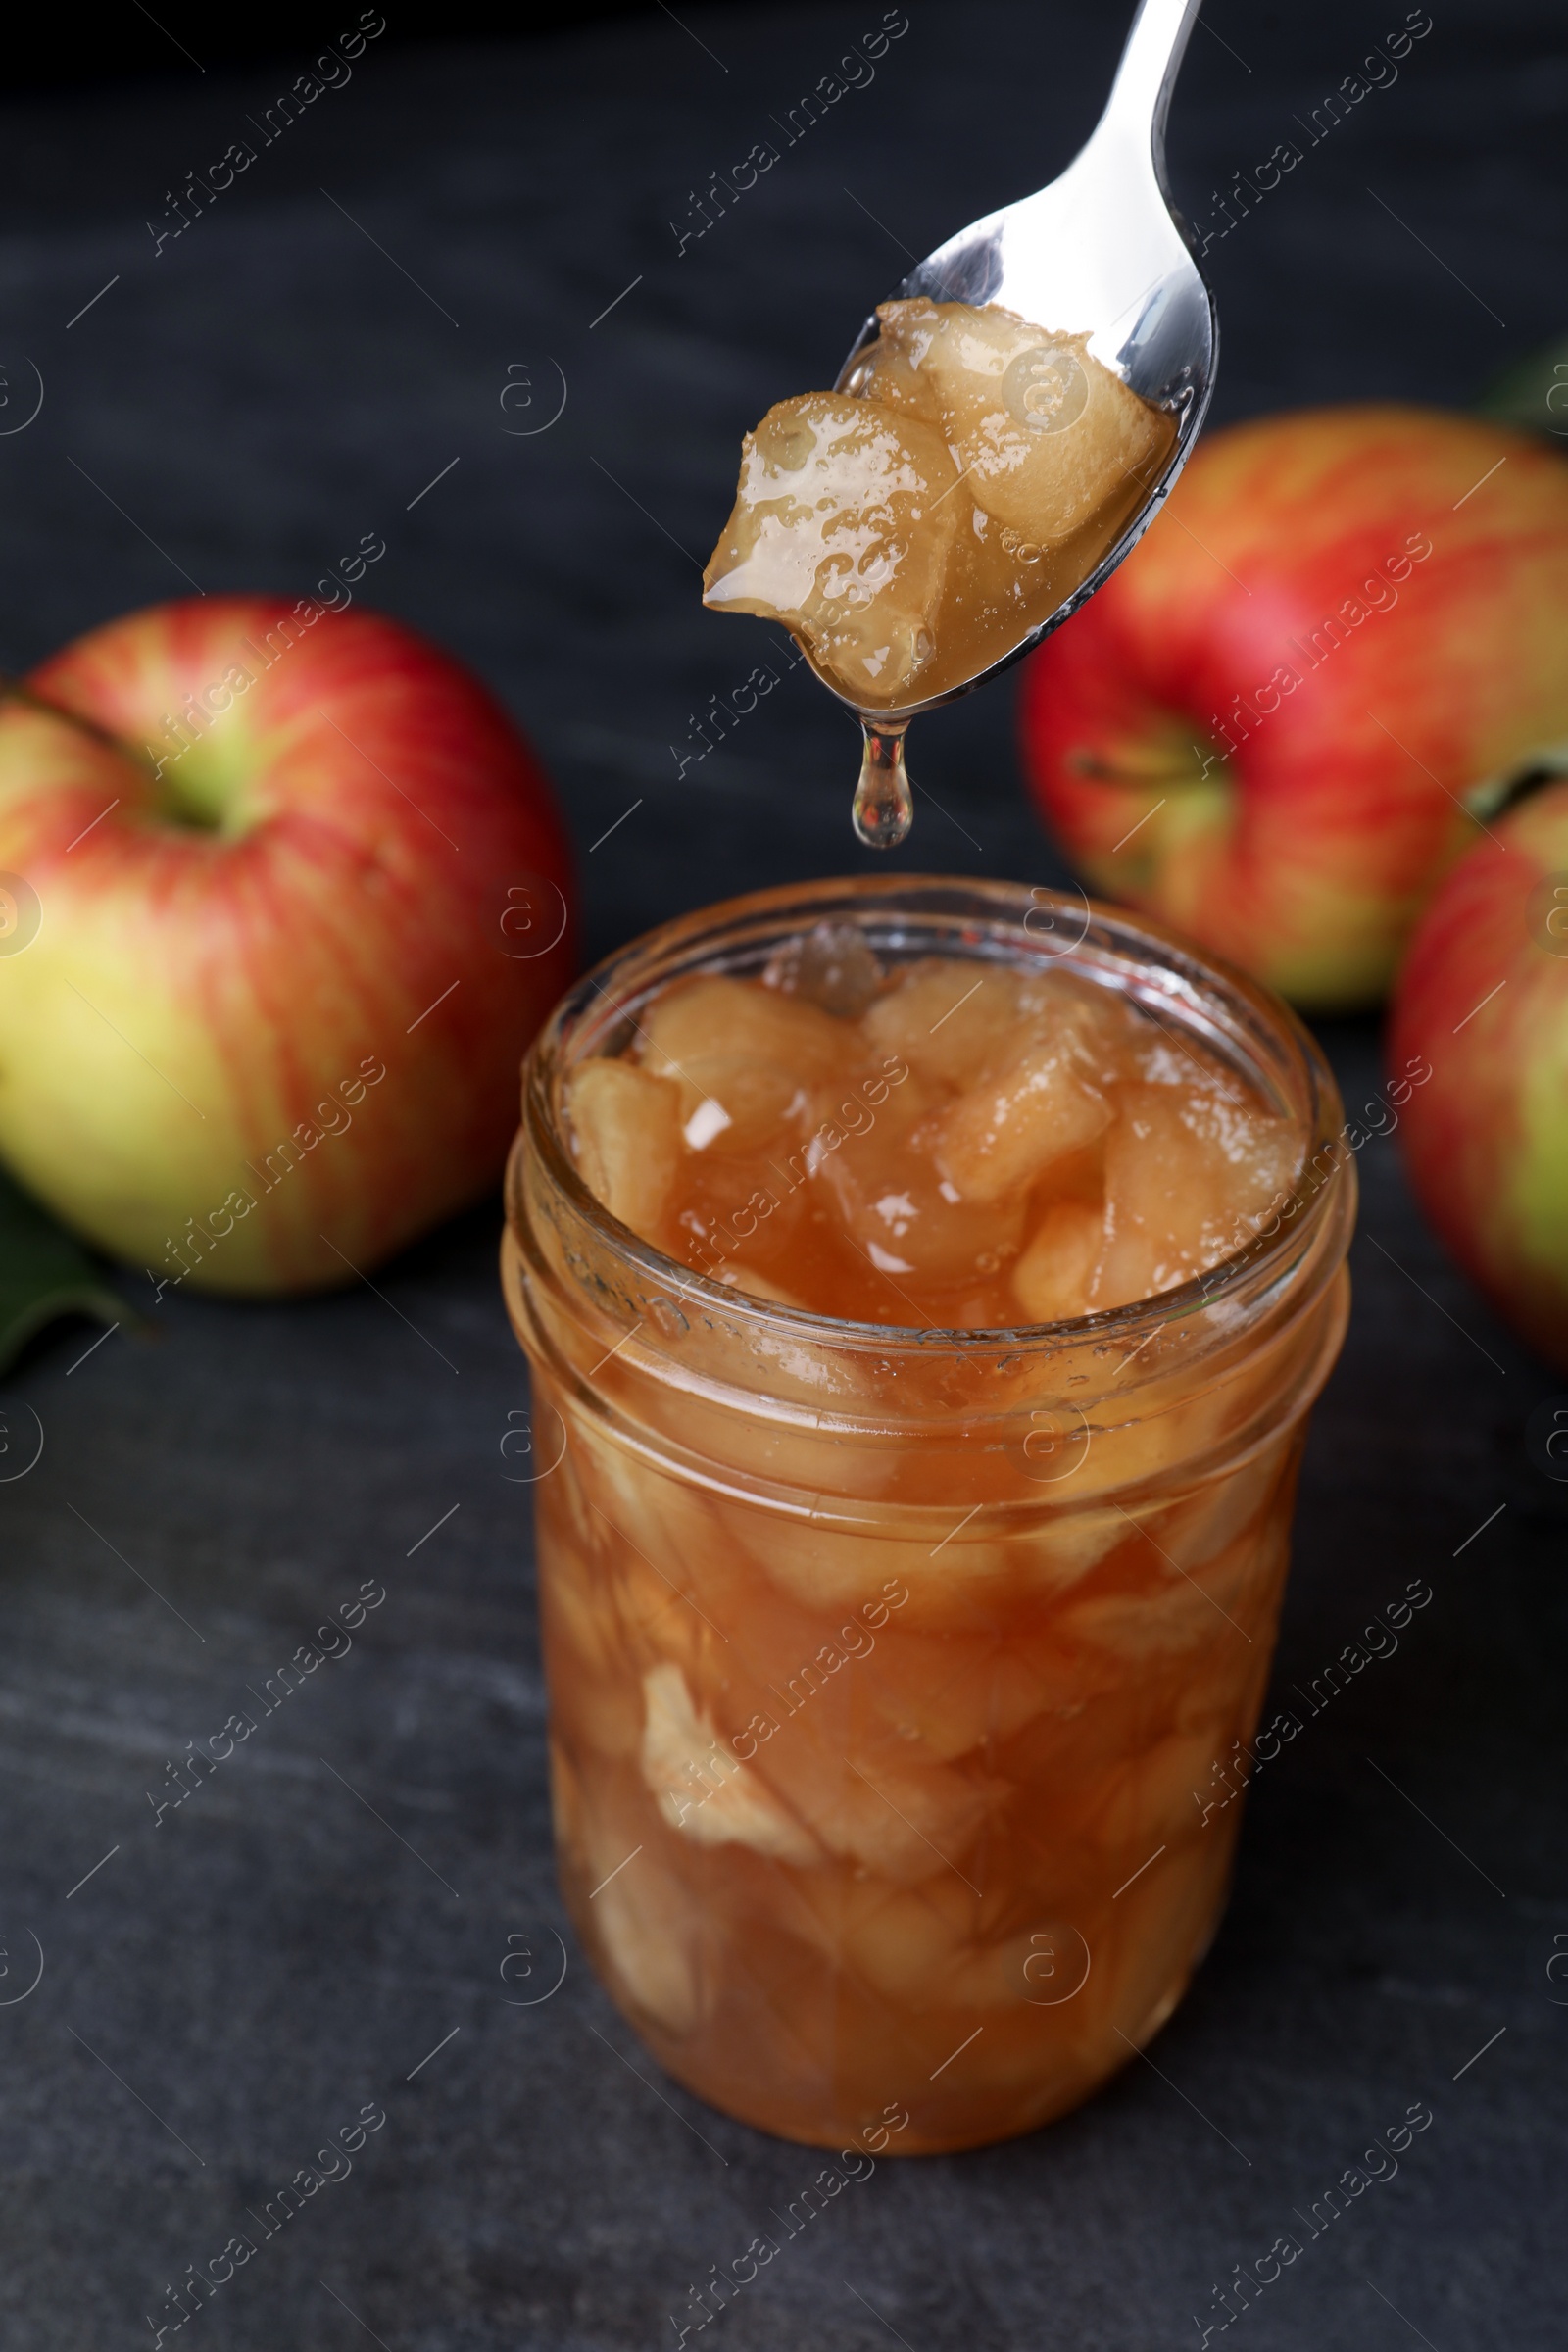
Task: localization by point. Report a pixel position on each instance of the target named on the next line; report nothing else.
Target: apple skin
(1485, 1139)
(1306, 852)
(315, 889)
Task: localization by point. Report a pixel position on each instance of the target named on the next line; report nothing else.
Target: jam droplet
(884, 806)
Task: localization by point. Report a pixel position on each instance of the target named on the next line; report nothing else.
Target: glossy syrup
(884, 804)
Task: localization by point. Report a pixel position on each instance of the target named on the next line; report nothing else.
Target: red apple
(282, 898)
(1265, 726)
(1483, 999)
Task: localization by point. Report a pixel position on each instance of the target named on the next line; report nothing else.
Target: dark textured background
(234, 1984)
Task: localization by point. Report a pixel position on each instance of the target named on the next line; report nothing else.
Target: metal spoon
(1101, 251)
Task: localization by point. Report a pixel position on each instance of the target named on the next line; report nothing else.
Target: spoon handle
(1140, 96)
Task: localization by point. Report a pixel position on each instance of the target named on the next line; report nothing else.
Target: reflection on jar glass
(890, 1667)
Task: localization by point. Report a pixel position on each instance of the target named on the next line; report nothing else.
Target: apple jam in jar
(926, 1284)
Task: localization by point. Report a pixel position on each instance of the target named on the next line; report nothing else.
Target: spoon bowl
(1103, 253)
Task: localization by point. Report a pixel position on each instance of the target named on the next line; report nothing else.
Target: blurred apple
(1483, 998)
(1270, 727)
(282, 898)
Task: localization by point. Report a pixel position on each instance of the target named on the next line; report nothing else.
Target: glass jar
(901, 1681)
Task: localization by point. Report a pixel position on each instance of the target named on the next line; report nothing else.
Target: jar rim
(986, 914)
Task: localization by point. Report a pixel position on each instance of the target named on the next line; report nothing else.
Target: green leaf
(44, 1274)
(1533, 394)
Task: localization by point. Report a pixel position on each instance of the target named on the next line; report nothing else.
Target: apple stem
(16, 690)
(1165, 765)
(1545, 763)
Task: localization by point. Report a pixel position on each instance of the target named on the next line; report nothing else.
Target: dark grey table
(322, 1930)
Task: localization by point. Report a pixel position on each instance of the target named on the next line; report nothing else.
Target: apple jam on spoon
(909, 528)
(1004, 430)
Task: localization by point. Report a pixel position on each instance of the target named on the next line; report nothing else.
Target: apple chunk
(625, 1130)
(841, 528)
(1053, 1278)
(1190, 1177)
(1045, 434)
(1035, 1107)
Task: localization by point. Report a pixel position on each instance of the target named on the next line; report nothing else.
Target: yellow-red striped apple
(1484, 995)
(283, 894)
(1272, 726)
